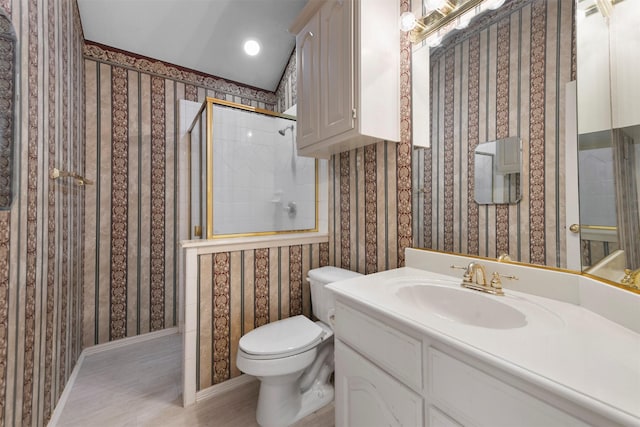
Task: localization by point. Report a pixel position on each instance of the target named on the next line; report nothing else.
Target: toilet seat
(282, 338)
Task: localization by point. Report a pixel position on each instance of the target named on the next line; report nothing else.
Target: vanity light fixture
(251, 47)
(589, 7)
(408, 22)
(431, 5)
(441, 16)
(605, 7)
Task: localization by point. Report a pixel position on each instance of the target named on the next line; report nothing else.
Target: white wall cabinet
(388, 374)
(348, 64)
(608, 87)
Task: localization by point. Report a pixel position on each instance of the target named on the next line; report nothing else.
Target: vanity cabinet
(390, 374)
(368, 396)
(348, 81)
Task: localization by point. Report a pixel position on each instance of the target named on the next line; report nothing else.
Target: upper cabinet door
(336, 68)
(308, 63)
(348, 75)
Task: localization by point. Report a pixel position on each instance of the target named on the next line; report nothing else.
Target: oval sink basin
(463, 306)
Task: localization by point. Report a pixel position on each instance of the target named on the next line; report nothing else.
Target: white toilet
(293, 358)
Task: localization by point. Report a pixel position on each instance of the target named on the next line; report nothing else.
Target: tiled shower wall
(503, 76)
(131, 234)
(41, 248)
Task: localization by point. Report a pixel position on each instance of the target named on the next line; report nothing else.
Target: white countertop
(563, 347)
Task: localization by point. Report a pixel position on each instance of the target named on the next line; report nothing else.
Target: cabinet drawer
(476, 398)
(366, 396)
(396, 352)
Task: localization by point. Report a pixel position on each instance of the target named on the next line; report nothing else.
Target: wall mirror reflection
(608, 94)
(246, 178)
(497, 166)
(490, 78)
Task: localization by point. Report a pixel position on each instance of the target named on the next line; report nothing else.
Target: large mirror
(608, 92)
(7, 97)
(507, 74)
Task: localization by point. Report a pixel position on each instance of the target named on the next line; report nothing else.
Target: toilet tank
(322, 300)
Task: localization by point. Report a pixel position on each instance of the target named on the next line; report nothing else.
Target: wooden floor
(139, 385)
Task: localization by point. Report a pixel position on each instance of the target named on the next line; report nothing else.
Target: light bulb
(251, 47)
(407, 21)
(432, 5)
(464, 20)
(434, 40)
(494, 4)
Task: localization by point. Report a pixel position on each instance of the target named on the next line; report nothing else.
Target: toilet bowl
(293, 357)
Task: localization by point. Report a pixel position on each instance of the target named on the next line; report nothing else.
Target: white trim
(99, 348)
(572, 204)
(253, 242)
(57, 411)
(224, 387)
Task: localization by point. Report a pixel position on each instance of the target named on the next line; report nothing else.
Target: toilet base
(314, 399)
(284, 406)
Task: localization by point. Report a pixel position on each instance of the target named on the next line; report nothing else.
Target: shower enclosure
(245, 176)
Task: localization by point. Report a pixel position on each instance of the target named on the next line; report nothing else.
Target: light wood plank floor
(139, 385)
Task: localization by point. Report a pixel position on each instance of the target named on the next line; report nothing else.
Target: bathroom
(89, 265)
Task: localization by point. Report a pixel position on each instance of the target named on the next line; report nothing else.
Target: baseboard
(224, 387)
(99, 348)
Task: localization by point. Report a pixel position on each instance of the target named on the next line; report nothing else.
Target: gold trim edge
(209, 102)
(542, 267)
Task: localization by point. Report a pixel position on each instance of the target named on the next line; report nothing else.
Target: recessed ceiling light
(251, 47)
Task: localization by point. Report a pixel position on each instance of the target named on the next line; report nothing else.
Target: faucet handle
(495, 280)
(496, 283)
(466, 277)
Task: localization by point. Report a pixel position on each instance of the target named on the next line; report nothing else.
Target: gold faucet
(475, 277)
(471, 275)
(631, 278)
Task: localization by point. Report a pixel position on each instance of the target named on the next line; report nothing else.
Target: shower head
(283, 131)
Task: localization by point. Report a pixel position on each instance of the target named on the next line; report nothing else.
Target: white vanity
(414, 348)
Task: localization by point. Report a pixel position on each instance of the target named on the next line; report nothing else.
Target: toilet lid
(282, 337)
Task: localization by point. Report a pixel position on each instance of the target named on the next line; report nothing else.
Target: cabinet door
(474, 397)
(336, 68)
(366, 396)
(308, 63)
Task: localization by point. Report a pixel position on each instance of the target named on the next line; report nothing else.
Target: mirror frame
(541, 267)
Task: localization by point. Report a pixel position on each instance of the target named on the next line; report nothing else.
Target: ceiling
(204, 35)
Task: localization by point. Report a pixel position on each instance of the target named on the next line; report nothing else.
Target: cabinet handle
(310, 34)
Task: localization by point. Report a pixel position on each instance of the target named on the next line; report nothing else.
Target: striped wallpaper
(503, 76)
(370, 212)
(241, 290)
(41, 246)
(369, 227)
(287, 91)
(131, 233)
